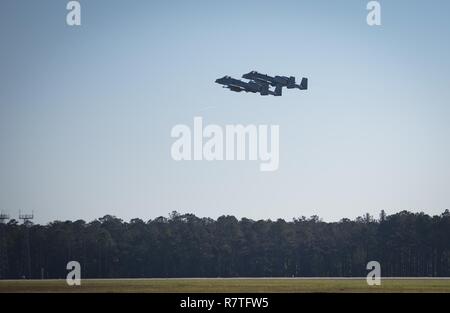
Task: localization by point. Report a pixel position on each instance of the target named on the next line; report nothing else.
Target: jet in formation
(262, 83)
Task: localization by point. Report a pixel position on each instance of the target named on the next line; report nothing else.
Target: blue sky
(86, 112)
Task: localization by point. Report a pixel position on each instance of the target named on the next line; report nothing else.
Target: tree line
(183, 245)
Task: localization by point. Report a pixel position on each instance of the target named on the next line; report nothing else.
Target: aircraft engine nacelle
(291, 83)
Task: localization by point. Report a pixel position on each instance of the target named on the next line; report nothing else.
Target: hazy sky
(86, 112)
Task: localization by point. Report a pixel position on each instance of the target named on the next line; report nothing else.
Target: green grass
(227, 285)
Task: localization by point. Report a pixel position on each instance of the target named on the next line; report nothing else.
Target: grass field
(228, 285)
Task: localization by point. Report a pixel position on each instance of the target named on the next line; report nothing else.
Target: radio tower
(26, 258)
(3, 251)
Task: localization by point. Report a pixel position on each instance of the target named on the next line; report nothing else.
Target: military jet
(239, 85)
(261, 83)
(288, 82)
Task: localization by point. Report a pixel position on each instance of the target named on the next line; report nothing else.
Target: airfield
(231, 285)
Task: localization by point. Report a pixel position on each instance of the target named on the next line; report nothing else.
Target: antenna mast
(3, 252)
(26, 256)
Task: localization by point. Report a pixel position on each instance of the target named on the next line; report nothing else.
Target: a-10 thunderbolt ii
(261, 83)
(238, 85)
